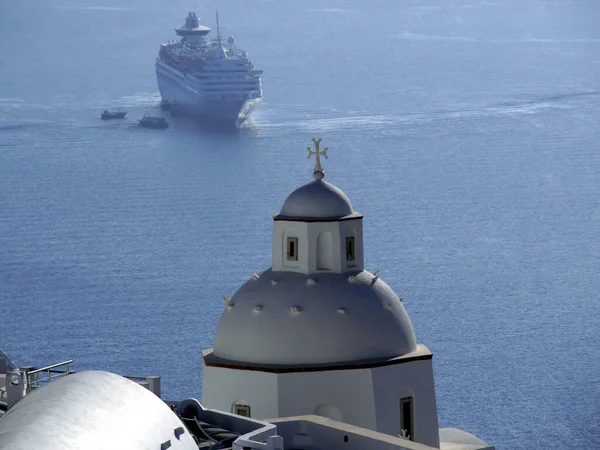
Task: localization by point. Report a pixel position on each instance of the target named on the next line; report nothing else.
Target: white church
(314, 353)
(317, 334)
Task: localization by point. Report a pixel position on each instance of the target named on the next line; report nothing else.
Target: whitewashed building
(317, 334)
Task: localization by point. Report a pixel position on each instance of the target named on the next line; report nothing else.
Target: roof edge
(422, 353)
(353, 216)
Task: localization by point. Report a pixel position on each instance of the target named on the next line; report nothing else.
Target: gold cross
(316, 152)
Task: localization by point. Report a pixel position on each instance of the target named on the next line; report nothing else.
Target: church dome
(91, 410)
(291, 319)
(317, 199)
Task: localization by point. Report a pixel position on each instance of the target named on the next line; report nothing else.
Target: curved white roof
(92, 410)
(281, 319)
(454, 439)
(317, 199)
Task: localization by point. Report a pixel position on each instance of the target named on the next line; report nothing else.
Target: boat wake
(409, 36)
(331, 120)
(331, 10)
(93, 8)
(10, 102)
(139, 100)
(19, 126)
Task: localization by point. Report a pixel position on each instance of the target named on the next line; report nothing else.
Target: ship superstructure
(203, 77)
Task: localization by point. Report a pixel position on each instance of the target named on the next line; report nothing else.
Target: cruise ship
(207, 78)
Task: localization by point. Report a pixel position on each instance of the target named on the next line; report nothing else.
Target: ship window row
(240, 84)
(227, 79)
(220, 76)
(225, 91)
(198, 64)
(229, 88)
(226, 71)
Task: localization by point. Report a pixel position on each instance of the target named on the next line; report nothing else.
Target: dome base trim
(422, 353)
(353, 216)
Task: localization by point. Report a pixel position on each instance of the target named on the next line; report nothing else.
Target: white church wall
(224, 388)
(411, 379)
(313, 432)
(380, 398)
(345, 393)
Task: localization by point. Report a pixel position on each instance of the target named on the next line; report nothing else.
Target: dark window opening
(406, 418)
(350, 253)
(242, 410)
(292, 249)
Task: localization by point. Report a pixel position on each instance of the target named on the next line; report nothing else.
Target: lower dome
(283, 319)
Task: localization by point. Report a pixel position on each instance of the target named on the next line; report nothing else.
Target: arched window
(407, 429)
(350, 252)
(350, 249)
(324, 251)
(292, 248)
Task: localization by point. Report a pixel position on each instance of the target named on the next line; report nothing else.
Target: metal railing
(38, 377)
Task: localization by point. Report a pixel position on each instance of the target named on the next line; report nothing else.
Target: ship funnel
(191, 21)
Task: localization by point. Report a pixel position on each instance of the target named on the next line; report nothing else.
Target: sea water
(465, 131)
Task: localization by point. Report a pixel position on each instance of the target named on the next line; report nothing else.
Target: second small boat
(149, 121)
(106, 114)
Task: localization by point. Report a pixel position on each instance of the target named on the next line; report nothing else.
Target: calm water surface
(466, 132)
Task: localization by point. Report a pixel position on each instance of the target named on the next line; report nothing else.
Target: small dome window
(292, 249)
(350, 249)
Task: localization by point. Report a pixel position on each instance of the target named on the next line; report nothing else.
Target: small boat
(149, 121)
(106, 114)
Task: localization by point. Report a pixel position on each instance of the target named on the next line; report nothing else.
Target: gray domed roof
(317, 199)
(280, 319)
(91, 410)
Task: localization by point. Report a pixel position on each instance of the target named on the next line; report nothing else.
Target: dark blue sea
(466, 131)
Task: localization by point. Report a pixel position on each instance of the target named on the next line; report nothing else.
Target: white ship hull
(184, 95)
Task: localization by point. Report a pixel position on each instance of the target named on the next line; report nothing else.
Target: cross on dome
(318, 173)
(317, 199)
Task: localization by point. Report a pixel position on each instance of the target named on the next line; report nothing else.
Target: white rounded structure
(454, 439)
(317, 199)
(93, 410)
(328, 318)
(317, 334)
